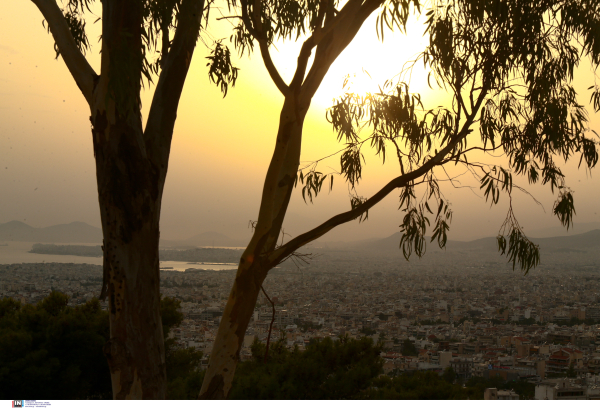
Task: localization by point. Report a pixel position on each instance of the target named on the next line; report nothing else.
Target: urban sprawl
(481, 322)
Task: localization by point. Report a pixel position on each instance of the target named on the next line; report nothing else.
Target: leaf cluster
(74, 15)
(159, 20)
(416, 221)
(312, 182)
(220, 68)
(277, 19)
(509, 67)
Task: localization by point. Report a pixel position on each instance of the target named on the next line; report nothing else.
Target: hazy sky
(221, 147)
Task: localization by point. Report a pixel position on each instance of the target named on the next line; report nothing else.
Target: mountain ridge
(75, 232)
(589, 240)
(78, 232)
(81, 232)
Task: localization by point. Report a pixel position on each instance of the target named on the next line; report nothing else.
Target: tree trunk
(225, 354)
(135, 351)
(130, 186)
(130, 191)
(279, 183)
(131, 167)
(253, 267)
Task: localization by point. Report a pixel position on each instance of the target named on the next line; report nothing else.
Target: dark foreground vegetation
(54, 351)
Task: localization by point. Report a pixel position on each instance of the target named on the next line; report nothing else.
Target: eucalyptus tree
(508, 66)
(132, 158)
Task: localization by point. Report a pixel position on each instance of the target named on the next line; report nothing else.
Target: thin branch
(271, 69)
(271, 325)
(521, 189)
(399, 153)
(298, 259)
(398, 182)
(483, 149)
(360, 143)
(77, 64)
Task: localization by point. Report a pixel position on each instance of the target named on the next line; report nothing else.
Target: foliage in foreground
(423, 385)
(53, 351)
(327, 369)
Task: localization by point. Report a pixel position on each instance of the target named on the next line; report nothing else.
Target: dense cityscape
(482, 321)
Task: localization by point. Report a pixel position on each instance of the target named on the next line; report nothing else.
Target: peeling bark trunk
(130, 186)
(131, 168)
(130, 191)
(135, 351)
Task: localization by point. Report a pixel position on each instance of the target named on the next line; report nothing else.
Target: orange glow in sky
(221, 147)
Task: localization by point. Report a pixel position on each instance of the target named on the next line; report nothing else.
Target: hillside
(570, 252)
(74, 232)
(82, 233)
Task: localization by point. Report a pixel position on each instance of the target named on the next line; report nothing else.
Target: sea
(18, 252)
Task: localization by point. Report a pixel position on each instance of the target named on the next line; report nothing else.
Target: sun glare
(368, 63)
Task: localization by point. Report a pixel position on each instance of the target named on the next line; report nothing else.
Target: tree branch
(401, 181)
(331, 23)
(303, 58)
(282, 252)
(352, 8)
(254, 27)
(77, 64)
(271, 69)
(332, 40)
(163, 111)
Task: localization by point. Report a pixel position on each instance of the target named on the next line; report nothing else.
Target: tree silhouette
(449, 375)
(420, 385)
(132, 158)
(571, 373)
(508, 66)
(409, 349)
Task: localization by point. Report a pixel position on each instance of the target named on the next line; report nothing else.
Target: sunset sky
(222, 147)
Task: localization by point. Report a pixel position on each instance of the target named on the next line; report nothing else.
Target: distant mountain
(560, 231)
(393, 243)
(82, 233)
(74, 232)
(588, 241)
